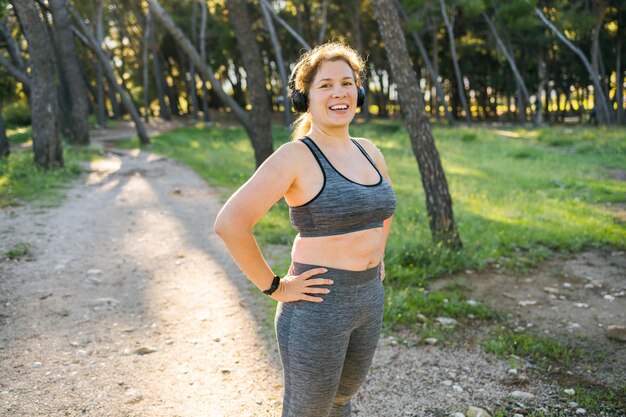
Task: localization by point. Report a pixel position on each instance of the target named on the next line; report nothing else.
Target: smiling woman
(343, 63)
(341, 202)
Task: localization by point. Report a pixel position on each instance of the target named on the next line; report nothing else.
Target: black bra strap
(314, 152)
(365, 153)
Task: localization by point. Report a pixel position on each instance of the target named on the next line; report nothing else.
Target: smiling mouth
(339, 107)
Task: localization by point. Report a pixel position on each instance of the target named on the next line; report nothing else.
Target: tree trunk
(170, 91)
(46, 138)
(190, 73)
(455, 62)
(206, 71)
(358, 42)
(63, 107)
(202, 48)
(146, 70)
(279, 63)
(438, 200)
(619, 84)
(236, 84)
(320, 38)
(539, 107)
(595, 58)
(70, 64)
(5, 148)
(102, 112)
(435, 63)
(108, 69)
(602, 110)
(380, 95)
(115, 102)
(521, 111)
(524, 96)
(260, 115)
(159, 79)
(432, 71)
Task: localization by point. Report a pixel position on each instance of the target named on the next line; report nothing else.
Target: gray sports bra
(342, 205)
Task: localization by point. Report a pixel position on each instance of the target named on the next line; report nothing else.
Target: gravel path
(130, 306)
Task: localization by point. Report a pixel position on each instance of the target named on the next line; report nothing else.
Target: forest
(476, 61)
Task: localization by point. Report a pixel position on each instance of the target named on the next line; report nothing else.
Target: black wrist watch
(274, 286)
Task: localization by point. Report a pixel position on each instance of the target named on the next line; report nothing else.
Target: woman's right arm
(246, 207)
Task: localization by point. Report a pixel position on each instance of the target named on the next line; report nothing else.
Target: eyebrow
(330, 79)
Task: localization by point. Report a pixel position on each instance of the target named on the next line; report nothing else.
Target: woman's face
(333, 94)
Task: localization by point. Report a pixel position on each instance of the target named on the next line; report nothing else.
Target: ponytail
(301, 126)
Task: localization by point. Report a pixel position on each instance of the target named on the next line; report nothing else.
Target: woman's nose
(339, 92)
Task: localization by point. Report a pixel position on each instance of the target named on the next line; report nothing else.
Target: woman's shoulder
(293, 148)
(293, 153)
(369, 147)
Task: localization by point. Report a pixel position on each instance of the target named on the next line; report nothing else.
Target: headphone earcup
(360, 98)
(300, 101)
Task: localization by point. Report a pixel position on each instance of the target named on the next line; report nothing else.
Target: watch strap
(274, 286)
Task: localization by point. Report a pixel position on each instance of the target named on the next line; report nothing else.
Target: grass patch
(403, 305)
(19, 135)
(542, 350)
(594, 400)
(600, 399)
(17, 252)
(21, 180)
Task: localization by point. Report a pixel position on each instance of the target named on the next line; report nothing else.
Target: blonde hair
(307, 68)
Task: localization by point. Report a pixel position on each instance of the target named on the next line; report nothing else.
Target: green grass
(403, 305)
(514, 199)
(518, 195)
(606, 400)
(19, 251)
(19, 135)
(601, 398)
(542, 350)
(21, 180)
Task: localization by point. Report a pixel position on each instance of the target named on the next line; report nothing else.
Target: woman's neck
(331, 137)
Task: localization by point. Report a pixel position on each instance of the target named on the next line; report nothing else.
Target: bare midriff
(356, 251)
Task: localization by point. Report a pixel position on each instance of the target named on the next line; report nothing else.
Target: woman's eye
(347, 83)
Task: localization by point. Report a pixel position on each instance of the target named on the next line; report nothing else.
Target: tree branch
(16, 72)
(295, 34)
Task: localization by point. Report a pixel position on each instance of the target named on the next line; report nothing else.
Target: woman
(330, 305)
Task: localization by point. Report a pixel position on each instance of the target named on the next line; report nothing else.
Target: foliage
(17, 114)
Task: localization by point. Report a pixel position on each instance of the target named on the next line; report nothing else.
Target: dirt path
(130, 306)
(125, 267)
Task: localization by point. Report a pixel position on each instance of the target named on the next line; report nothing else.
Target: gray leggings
(326, 348)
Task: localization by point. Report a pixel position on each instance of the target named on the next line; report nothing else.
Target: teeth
(339, 107)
